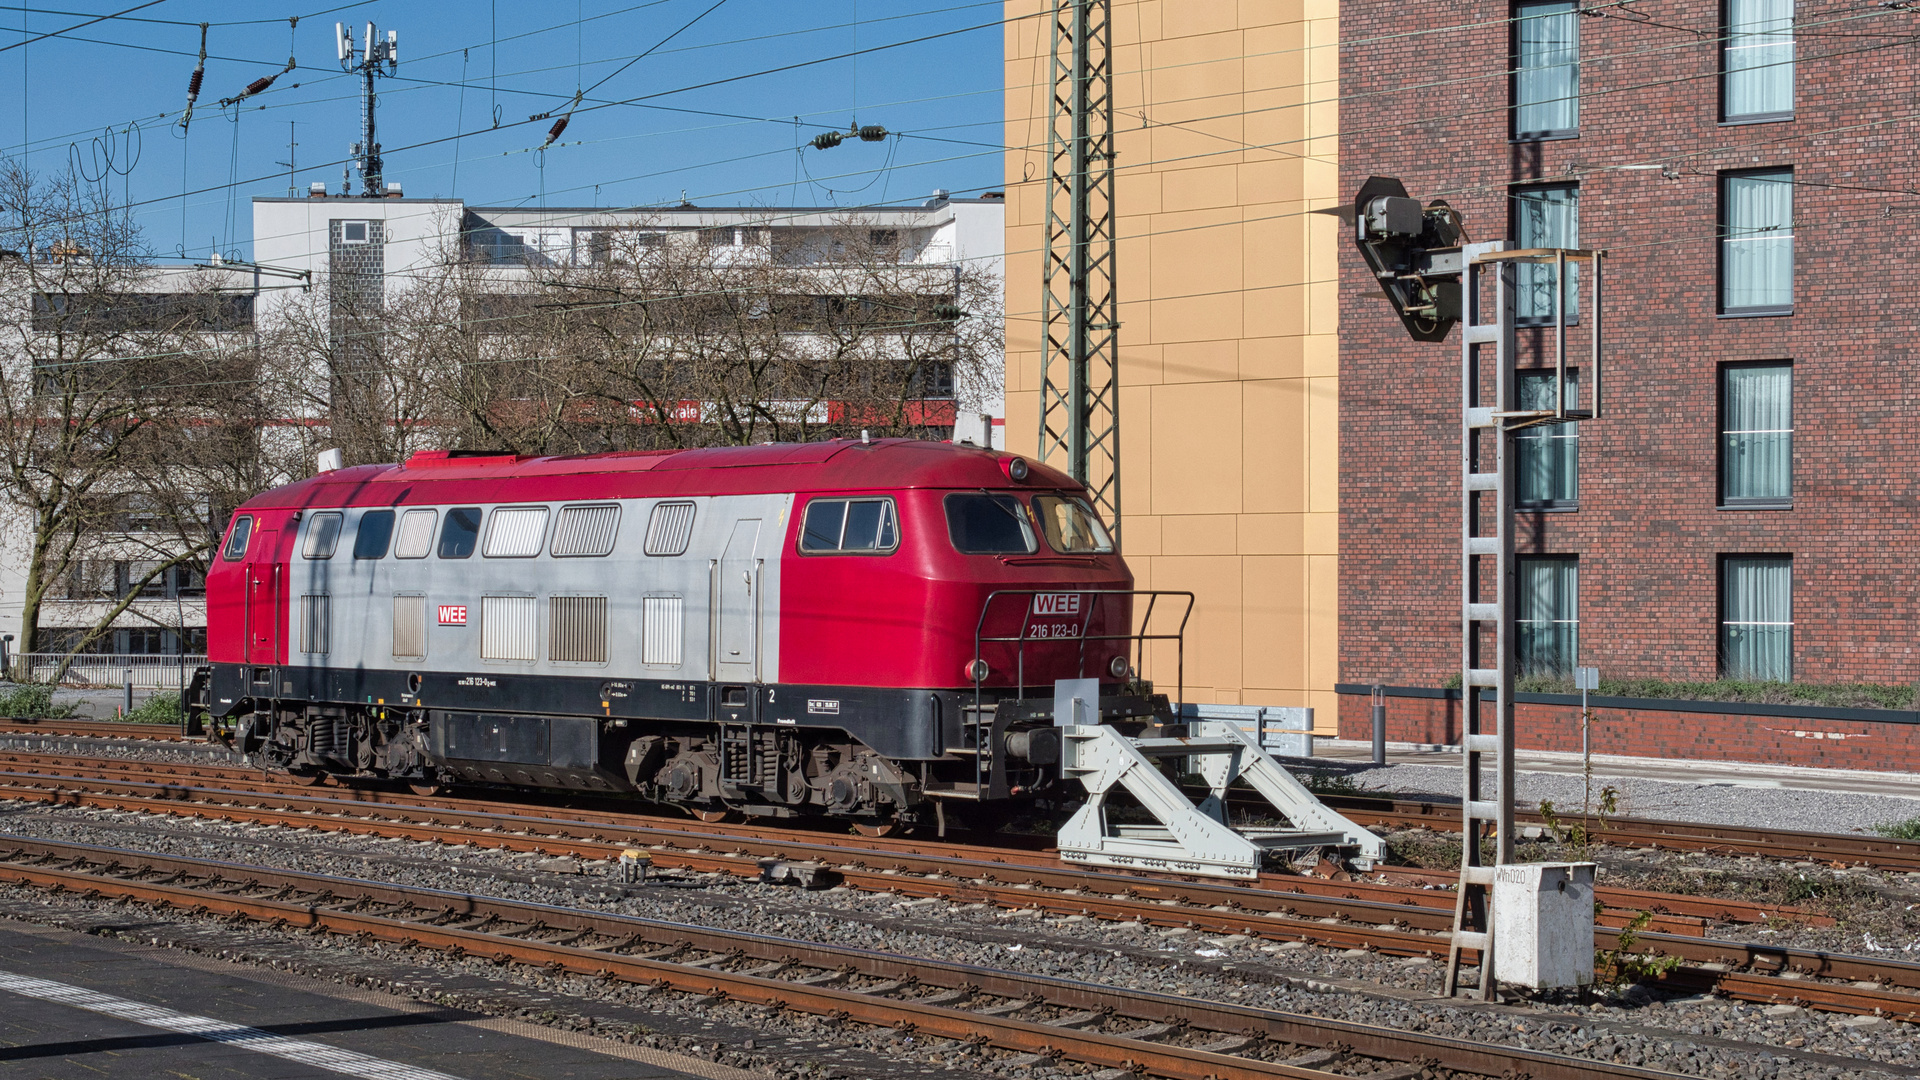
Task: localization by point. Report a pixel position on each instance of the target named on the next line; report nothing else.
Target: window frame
(1086, 507)
(1523, 437)
(1731, 119)
(493, 518)
(1027, 526)
(1721, 238)
(1524, 272)
(310, 535)
(242, 531)
(1721, 499)
(1722, 621)
(360, 530)
(1573, 657)
(888, 508)
(446, 525)
(400, 527)
(1514, 104)
(366, 236)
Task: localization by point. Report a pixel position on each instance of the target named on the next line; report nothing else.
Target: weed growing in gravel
(1900, 830)
(1321, 782)
(1618, 967)
(30, 700)
(161, 708)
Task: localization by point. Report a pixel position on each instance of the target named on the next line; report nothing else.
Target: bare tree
(109, 372)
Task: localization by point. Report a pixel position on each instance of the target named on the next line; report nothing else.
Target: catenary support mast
(1079, 377)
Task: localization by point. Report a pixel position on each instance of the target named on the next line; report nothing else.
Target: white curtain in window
(1548, 466)
(1546, 217)
(1756, 596)
(1759, 58)
(1548, 620)
(1756, 449)
(1546, 80)
(1757, 249)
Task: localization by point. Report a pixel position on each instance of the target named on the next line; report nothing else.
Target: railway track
(1672, 913)
(1752, 972)
(1848, 849)
(1042, 1018)
(89, 729)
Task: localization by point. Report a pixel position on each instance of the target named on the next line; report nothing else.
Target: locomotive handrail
(983, 748)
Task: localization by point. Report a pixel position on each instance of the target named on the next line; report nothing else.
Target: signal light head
(977, 671)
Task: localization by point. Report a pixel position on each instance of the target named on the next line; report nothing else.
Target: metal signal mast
(1079, 374)
(377, 57)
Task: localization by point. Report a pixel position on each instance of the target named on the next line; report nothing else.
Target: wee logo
(1056, 604)
(453, 614)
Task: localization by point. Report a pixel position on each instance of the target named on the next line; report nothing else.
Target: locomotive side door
(265, 584)
(736, 601)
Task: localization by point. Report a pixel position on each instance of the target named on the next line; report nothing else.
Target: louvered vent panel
(577, 629)
(585, 530)
(410, 627)
(507, 628)
(416, 535)
(661, 635)
(516, 532)
(316, 624)
(669, 529)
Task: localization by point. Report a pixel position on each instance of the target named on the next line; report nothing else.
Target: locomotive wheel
(722, 816)
(426, 789)
(874, 830)
(308, 779)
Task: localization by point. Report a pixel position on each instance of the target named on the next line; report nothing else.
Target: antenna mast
(377, 57)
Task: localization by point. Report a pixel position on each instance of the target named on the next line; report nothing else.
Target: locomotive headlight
(977, 670)
(1118, 667)
(1017, 468)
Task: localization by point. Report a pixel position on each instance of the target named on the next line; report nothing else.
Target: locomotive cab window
(375, 532)
(986, 524)
(457, 536)
(1070, 525)
(323, 536)
(237, 538)
(852, 526)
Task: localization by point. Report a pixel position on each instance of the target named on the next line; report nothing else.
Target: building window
(1549, 614)
(1756, 434)
(1546, 216)
(1756, 618)
(1546, 69)
(1756, 242)
(1756, 61)
(1547, 470)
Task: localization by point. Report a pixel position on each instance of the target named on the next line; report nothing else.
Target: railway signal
(1435, 278)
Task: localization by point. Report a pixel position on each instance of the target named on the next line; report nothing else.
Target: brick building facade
(1745, 506)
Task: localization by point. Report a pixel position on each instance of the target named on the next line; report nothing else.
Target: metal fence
(148, 671)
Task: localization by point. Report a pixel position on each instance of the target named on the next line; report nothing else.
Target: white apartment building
(300, 243)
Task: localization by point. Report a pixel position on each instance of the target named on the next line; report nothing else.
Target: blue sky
(108, 97)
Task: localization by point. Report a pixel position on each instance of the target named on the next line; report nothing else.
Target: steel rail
(1672, 913)
(1780, 972)
(1878, 852)
(333, 901)
(88, 729)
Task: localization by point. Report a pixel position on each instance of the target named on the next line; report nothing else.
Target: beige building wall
(1227, 127)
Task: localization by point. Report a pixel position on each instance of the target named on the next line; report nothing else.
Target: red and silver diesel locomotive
(776, 629)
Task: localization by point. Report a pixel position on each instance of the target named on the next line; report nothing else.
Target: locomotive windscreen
(984, 524)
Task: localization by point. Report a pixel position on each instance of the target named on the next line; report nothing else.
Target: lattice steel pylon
(1080, 364)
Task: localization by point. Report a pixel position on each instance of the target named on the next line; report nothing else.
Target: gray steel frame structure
(1487, 500)
(1079, 373)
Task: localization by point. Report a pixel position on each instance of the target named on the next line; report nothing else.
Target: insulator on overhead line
(258, 85)
(827, 140)
(193, 84)
(872, 133)
(559, 126)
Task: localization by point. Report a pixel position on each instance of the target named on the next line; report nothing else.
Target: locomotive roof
(443, 477)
